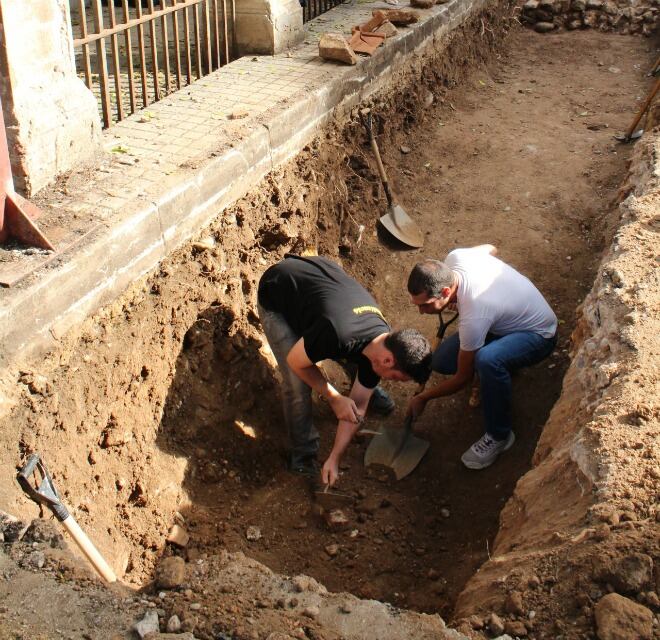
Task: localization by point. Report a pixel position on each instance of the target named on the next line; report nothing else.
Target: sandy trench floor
(521, 156)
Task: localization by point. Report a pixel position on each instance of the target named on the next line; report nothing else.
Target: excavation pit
(164, 409)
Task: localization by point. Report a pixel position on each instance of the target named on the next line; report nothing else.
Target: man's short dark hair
(430, 277)
(412, 353)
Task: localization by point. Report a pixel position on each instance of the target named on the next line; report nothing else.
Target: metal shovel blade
(383, 448)
(410, 456)
(398, 449)
(399, 224)
(633, 136)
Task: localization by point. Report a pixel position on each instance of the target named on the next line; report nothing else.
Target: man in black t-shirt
(311, 311)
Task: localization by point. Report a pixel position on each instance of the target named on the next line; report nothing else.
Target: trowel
(399, 449)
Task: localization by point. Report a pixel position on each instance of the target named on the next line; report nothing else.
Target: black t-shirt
(336, 316)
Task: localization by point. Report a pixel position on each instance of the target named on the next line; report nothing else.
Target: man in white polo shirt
(504, 324)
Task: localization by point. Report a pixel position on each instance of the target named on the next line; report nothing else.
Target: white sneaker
(485, 451)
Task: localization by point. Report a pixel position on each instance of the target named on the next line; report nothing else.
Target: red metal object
(17, 215)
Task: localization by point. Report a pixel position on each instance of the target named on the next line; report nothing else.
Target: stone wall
(636, 16)
(51, 118)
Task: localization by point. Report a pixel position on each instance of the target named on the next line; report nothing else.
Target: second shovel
(396, 220)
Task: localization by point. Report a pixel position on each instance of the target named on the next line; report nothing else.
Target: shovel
(46, 494)
(396, 220)
(400, 449)
(631, 134)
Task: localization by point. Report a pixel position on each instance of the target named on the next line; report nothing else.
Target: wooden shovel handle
(643, 109)
(90, 551)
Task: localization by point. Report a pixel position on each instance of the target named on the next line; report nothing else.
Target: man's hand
(345, 409)
(416, 406)
(330, 471)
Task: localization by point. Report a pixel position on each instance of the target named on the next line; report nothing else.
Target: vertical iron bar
(186, 25)
(115, 63)
(154, 50)
(85, 47)
(102, 63)
(198, 42)
(166, 48)
(143, 60)
(216, 23)
(129, 56)
(207, 28)
(224, 25)
(177, 47)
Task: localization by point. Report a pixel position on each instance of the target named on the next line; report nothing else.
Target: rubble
(333, 46)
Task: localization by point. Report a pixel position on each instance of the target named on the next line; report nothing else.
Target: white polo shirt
(493, 297)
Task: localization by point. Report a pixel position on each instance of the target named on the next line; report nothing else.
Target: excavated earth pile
(159, 416)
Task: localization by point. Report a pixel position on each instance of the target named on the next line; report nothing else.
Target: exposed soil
(521, 155)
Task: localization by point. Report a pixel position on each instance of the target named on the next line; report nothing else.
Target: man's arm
(310, 374)
(345, 432)
(463, 376)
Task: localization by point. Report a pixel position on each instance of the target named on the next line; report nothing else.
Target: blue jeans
(494, 363)
(296, 395)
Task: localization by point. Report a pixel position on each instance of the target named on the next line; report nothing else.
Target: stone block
(333, 46)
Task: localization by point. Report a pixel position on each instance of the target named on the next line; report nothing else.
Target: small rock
(178, 536)
(515, 628)
(195, 606)
(311, 612)
(253, 533)
(345, 608)
(333, 46)
(239, 114)
(476, 622)
(432, 574)
(305, 583)
(332, 550)
(422, 4)
(336, 520)
(404, 149)
(495, 624)
(445, 513)
(544, 27)
(534, 582)
(387, 29)
(513, 603)
(614, 69)
(35, 560)
(173, 624)
(148, 624)
(618, 618)
(170, 573)
(398, 17)
(628, 574)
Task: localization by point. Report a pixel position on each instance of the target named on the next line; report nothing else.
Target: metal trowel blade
(410, 456)
(383, 448)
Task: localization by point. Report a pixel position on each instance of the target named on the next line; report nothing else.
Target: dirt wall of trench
(96, 406)
(586, 519)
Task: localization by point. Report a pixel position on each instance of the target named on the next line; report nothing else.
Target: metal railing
(314, 8)
(137, 52)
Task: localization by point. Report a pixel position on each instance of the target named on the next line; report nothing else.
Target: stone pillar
(51, 117)
(267, 26)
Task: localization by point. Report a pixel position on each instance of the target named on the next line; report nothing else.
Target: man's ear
(387, 359)
(446, 292)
